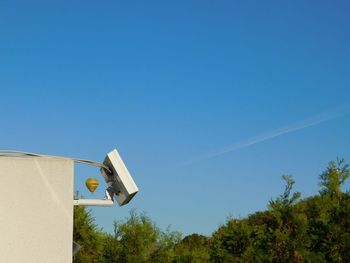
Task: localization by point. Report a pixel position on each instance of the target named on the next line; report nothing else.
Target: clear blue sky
(167, 82)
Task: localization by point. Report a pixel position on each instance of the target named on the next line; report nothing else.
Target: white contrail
(315, 120)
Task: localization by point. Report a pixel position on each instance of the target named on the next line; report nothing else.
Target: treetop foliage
(334, 177)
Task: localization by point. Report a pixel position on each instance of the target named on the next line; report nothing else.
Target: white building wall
(36, 211)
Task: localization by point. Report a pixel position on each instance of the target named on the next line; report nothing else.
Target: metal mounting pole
(107, 201)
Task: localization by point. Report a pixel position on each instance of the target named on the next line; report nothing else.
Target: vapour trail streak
(327, 116)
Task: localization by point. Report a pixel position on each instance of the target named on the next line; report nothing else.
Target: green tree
(334, 177)
(86, 234)
(285, 199)
(166, 245)
(138, 238)
(111, 249)
(333, 227)
(276, 235)
(230, 241)
(192, 249)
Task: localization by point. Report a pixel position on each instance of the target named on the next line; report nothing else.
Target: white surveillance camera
(121, 186)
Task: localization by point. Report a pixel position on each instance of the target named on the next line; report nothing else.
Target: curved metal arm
(11, 153)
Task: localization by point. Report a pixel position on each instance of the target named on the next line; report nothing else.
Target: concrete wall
(36, 211)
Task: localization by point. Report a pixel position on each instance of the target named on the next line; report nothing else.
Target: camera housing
(121, 186)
